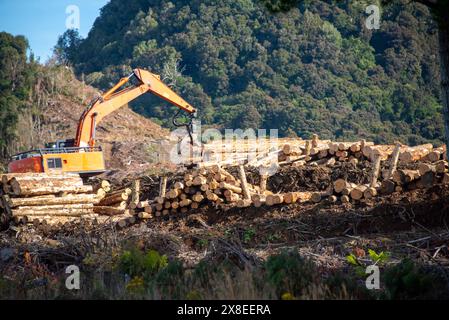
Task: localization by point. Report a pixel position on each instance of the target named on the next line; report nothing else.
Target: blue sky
(42, 21)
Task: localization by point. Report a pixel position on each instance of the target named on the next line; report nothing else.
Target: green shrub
(408, 281)
(170, 281)
(137, 263)
(289, 272)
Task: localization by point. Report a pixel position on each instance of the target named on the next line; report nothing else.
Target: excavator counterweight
(81, 155)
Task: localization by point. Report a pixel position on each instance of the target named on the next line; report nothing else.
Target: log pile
(121, 205)
(297, 152)
(391, 168)
(325, 152)
(55, 198)
(216, 186)
(385, 178)
(50, 199)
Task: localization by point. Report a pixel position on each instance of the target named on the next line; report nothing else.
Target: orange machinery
(81, 155)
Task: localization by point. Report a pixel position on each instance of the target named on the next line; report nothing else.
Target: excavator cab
(60, 157)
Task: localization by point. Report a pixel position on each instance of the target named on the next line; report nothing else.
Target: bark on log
(423, 168)
(441, 166)
(415, 153)
(6, 177)
(244, 183)
(40, 201)
(135, 196)
(128, 191)
(405, 176)
(114, 199)
(307, 148)
(28, 190)
(73, 212)
(315, 140)
(394, 161)
(231, 187)
(427, 180)
(163, 186)
(375, 170)
(109, 211)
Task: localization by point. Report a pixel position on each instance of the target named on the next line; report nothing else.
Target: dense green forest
(314, 69)
(16, 80)
(26, 88)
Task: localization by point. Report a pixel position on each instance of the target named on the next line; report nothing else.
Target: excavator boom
(113, 100)
(80, 154)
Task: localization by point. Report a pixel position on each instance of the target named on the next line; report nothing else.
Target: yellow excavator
(81, 155)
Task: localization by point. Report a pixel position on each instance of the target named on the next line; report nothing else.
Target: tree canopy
(313, 69)
(15, 83)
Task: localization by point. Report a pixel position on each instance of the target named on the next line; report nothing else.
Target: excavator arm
(114, 99)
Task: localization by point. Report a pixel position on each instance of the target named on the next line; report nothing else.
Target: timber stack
(212, 184)
(216, 186)
(53, 198)
(57, 198)
(41, 198)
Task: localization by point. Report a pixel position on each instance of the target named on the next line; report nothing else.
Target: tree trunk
(41, 201)
(443, 37)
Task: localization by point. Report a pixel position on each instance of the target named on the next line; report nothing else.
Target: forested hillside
(17, 81)
(315, 69)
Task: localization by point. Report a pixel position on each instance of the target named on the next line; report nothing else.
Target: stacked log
(215, 186)
(322, 152)
(124, 206)
(51, 199)
(315, 151)
(54, 198)
(212, 185)
(27, 197)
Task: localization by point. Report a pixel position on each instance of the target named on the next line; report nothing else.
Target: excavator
(81, 155)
